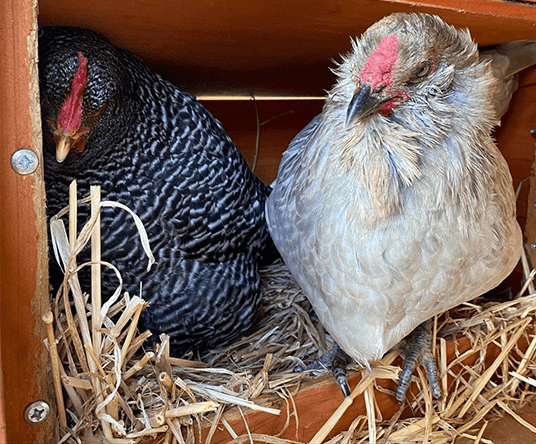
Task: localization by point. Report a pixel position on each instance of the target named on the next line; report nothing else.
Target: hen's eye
(423, 71)
(420, 73)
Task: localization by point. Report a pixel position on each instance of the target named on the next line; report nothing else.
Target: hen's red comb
(380, 66)
(70, 117)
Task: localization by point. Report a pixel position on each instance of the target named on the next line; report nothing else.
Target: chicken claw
(418, 350)
(336, 360)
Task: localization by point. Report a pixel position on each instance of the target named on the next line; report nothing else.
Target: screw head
(24, 161)
(36, 412)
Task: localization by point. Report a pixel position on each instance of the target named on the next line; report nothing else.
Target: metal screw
(36, 412)
(24, 161)
(533, 246)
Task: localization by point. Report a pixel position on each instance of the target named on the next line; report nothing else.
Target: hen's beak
(364, 103)
(66, 142)
(63, 146)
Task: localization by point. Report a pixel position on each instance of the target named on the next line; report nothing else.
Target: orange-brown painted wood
(274, 48)
(3, 435)
(518, 146)
(514, 9)
(23, 265)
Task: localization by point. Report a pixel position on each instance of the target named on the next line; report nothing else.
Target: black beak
(364, 103)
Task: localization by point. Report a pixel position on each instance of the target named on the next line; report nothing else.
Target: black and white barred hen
(108, 120)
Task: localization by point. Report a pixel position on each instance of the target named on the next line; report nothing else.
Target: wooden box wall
(224, 52)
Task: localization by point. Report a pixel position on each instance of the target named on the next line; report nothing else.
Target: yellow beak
(63, 146)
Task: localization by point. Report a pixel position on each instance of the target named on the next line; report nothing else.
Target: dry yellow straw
(371, 417)
(192, 409)
(527, 357)
(48, 318)
(96, 270)
(486, 376)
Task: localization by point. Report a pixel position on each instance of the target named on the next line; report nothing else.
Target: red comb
(381, 63)
(70, 117)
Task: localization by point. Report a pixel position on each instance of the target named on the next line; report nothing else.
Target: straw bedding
(110, 388)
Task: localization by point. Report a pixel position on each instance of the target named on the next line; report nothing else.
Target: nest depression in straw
(110, 389)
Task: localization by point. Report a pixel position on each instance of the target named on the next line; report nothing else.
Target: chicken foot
(335, 359)
(418, 349)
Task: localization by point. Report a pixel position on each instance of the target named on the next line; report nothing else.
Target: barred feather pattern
(157, 150)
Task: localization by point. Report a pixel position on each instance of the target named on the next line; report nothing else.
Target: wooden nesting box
(225, 53)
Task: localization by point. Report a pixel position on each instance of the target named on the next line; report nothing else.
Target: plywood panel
(515, 140)
(263, 48)
(23, 265)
